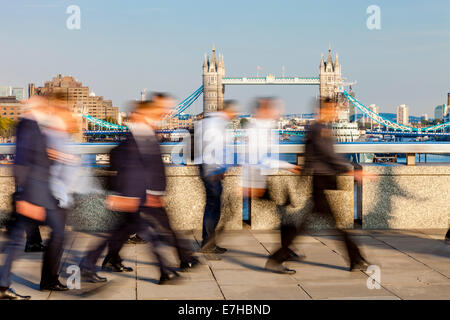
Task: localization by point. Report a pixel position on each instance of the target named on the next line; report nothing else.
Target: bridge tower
(213, 89)
(330, 76)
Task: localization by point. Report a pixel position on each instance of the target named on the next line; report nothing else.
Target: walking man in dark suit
(324, 164)
(34, 200)
(138, 186)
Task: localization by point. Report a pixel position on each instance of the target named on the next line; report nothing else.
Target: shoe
(186, 265)
(220, 250)
(10, 294)
(91, 276)
(135, 239)
(213, 250)
(172, 277)
(35, 247)
(361, 265)
(276, 267)
(294, 256)
(115, 267)
(57, 286)
(212, 257)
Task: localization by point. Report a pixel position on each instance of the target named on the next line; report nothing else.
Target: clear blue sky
(125, 46)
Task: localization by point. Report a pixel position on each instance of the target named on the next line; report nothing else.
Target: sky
(123, 47)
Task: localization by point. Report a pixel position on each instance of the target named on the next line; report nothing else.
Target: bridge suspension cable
(186, 103)
(388, 123)
(177, 110)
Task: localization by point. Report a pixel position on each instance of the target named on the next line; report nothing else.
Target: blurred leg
(11, 248)
(211, 215)
(56, 220)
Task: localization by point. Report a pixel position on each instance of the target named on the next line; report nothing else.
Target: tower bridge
(330, 82)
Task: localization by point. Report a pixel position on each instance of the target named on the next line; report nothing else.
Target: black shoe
(276, 267)
(361, 265)
(294, 256)
(220, 250)
(171, 278)
(57, 286)
(91, 276)
(135, 239)
(447, 237)
(10, 294)
(192, 263)
(34, 247)
(115, 267)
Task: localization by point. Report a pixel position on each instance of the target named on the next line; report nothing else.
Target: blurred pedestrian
(37, 199)
(262, 159)
(324, 165)
(138, 186)
(211, 152)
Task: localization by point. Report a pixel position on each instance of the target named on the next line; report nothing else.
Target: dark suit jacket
(320, 157)
(32, 165)
(139, 168)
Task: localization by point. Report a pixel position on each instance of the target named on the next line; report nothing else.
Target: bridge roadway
(414, 264)
(271, 80)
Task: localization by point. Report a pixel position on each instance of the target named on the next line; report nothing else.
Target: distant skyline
(126, 46)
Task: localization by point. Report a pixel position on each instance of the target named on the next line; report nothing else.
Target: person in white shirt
(211, 140)
(262, 159)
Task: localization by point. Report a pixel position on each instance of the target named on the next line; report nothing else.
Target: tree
(7, 127)
(110, 120)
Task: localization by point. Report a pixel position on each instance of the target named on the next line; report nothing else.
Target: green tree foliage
(7, 127)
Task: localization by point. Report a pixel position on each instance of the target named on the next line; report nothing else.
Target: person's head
(230, 108)
(162, 100)
(58, 106)
(268, 108)
(328, 110)
(150, 112)
(57, 99)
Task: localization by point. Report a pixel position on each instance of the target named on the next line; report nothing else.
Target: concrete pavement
(413, 264)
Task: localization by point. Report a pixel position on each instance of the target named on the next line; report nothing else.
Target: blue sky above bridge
(126, 46)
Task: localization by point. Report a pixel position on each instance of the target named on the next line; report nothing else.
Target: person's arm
(124, 198)
(24, 151)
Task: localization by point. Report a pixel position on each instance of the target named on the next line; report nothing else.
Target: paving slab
(414, 264)
(284, 292)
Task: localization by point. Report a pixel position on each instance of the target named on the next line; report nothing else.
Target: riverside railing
(184, 150)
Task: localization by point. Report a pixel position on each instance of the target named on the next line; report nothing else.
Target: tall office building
(402, 114)
(19, 93)
(5, 91)
(79, 98)
(368, 119)
(440, 112)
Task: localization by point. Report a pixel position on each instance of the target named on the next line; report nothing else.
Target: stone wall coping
(420, 169)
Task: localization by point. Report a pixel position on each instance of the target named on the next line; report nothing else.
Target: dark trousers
(211, 215)
(32, 229)
(33, 235)
(158, 221)
(55, 219)
(447, 236)
(159, 218)
(130, 224)
(321, 207)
